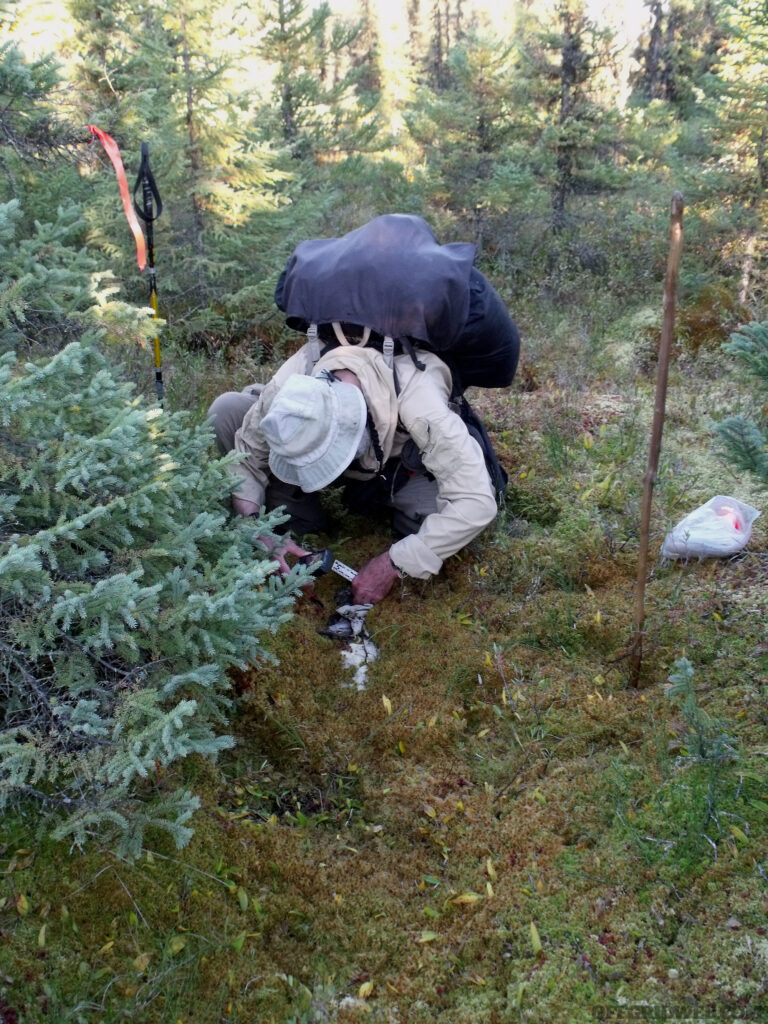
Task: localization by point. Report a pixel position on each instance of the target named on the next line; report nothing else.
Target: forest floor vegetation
(498, 828)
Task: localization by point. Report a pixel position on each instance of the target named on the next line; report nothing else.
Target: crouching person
(341, 420)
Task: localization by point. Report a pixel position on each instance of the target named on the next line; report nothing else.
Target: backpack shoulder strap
(387, 347)
(314, 343)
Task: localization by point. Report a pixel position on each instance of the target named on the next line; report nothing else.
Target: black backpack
(392, 276)
(391, 281)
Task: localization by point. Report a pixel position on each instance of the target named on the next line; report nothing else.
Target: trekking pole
(670, 290)
(150, 209)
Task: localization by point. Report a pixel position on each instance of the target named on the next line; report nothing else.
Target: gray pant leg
(413, 503)
(227, 413)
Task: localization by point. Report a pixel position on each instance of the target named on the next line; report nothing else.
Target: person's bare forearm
(243, 507)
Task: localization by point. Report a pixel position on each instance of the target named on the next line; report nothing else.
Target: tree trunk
(762, 163)
(747, 266)
(438, 55)
(670, 70)
(458, 30)
(193, 156)
(652, 76)
(571, 61)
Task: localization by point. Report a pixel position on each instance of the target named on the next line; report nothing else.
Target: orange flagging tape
(110, 148)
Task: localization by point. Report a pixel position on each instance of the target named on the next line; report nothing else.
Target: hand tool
(324, 561)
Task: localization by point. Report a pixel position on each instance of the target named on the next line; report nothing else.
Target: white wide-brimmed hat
(313, 428)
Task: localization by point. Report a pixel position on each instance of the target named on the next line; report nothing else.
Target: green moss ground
(498, 828)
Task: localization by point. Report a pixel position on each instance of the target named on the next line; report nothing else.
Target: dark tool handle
(321, 561)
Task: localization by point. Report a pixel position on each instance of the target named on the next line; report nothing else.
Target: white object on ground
(348, 623)
(720, 527)
(359, 656)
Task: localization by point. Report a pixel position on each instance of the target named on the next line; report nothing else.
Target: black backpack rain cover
(391, 275)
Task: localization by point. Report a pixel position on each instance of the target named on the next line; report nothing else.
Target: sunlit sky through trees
(48, 24)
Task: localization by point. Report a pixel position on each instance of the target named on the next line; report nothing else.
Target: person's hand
(279, 547)
(375, 580)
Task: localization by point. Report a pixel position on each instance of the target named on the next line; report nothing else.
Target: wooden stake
(670, 293)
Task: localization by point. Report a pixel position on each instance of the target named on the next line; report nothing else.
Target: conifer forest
(536, 804)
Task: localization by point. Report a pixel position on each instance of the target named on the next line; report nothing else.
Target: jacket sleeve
(252, 472)
(465, 499)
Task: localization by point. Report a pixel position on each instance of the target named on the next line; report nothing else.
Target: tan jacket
(465, 499)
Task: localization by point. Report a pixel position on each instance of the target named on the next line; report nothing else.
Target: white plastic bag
(718, 528)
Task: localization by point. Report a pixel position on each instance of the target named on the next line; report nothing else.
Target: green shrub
(745, 442)
(126, 594)
(706, 739)
(705, 798)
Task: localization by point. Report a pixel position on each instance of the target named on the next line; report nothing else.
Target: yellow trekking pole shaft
(156, 339)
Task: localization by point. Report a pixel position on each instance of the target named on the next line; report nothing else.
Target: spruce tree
(568, 60)
(48, 281)
(323, 103)
(37, 137)
(167, 74)
(126, 595)
(741, 77)
(45, 288)
(678, 52)
(467, 130)
(745, 441)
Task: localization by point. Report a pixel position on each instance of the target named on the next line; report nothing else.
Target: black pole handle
(149, 189)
